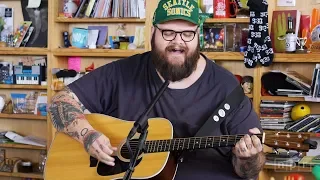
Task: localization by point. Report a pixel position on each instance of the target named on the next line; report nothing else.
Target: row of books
(111, 9)
(275, 115)
(315, 83)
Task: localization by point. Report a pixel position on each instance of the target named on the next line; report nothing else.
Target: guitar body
(67, 158)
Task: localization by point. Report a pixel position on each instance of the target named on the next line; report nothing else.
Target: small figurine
(247, 84)
(121, 30)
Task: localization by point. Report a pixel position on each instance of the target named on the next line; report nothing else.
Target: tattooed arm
(248, 157)
(249, 168)
(67, 115)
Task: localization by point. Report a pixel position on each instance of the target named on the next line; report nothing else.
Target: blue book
(79, 37)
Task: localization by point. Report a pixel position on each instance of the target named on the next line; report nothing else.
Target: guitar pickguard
(119, 167)
(122, 161)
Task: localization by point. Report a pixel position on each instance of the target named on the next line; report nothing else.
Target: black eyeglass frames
(170, 35)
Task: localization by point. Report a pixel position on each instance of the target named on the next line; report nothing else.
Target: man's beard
(170, 71)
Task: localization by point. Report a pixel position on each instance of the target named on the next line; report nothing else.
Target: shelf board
(227, 56)
(96, 52)
(23, 116)
(282, 168)
(278, 57)
(23, 51)
(22, 175)
(298, 58)
(22, 86)
(227, 20)
(21, 146)
(100, 20)
(281, 98)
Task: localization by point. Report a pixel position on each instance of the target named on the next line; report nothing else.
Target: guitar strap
(226, 107)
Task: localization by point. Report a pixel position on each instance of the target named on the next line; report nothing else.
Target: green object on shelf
(202, 17)
(316, 172)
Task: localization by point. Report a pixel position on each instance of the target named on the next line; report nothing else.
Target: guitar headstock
(289, 140)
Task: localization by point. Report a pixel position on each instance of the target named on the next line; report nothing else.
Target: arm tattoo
(65, 110)
(74, 134)
(249, 168)
(90, 137)
(84, 131)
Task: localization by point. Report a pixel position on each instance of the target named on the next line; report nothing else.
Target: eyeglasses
(170, 35)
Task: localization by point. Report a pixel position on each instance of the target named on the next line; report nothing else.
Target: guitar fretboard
(177, 144)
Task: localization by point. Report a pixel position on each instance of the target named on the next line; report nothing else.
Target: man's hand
(98, 146)
(248, 159)
(248, 146)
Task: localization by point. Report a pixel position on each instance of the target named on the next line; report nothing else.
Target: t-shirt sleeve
(244, 118)
(95, 89)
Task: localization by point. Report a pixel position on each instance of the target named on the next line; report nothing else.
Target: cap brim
(175, 18)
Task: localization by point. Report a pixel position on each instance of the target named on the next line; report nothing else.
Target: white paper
(31, 140)
(34, 3)
(141, 8)
(207, 2)
(286, 3)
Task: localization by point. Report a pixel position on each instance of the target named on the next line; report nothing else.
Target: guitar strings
(155, 144)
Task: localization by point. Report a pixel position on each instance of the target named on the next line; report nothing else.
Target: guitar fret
(155, 145)
(184, 141)
(223, 141)
(159, 146)
(205, 146)
(228, 140)
(210, 142)
(181, 145)
(147, 146)
(235, 139)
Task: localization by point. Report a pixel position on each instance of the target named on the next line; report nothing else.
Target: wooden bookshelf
(23, 116)
(99, 20)
(22, 175)
(227, 20)
(22, 86)
(23, 51)
(95, 52)
(21, 146)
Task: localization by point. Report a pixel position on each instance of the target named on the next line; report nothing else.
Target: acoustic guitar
(68, 160)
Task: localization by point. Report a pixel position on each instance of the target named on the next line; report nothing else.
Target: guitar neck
(192, 143)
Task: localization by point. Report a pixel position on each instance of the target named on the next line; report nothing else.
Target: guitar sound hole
(120, 166)
(125, 151)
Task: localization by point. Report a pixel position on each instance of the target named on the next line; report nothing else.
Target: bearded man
(124, 89)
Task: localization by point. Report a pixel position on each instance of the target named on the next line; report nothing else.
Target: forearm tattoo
(89, 138)
(248, 168)
(66, 110)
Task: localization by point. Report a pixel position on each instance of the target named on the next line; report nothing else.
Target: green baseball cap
(176, 9)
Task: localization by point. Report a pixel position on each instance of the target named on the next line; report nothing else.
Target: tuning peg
(275, 150)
